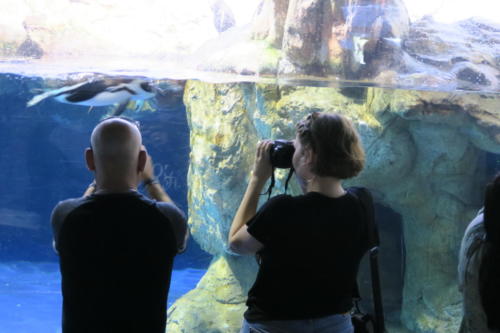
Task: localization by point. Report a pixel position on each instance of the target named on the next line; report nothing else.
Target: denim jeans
(340, 323)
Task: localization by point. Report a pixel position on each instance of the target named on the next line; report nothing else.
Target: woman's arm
(240, 241)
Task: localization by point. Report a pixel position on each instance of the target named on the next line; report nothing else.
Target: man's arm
(90, 189)
(156, 191)
(178, 223)
(59, 213)
(154, 188)
(174, 214)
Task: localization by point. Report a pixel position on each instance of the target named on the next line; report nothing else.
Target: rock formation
(369, 41)
(127, 30)
(425, 154)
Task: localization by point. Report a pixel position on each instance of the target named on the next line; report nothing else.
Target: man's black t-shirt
(116, 254)
(313, 245)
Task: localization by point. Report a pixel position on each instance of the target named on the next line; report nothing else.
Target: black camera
(282, 153)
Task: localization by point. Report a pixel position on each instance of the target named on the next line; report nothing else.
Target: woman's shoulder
(289, 202)
(281, 199)
(473, 239)
(475, 229)
(359, 191)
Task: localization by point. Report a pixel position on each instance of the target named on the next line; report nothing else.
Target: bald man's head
(116, 144)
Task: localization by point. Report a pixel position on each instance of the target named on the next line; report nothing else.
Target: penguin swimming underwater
(101, 92)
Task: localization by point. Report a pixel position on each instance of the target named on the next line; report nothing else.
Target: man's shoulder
(64, 207)
(178, 223)
(169, 210)
(70, 202)
(61, 211)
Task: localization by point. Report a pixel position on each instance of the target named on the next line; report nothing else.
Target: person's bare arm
(90, 189)
(174, 214)
(154, 188)
(156, 191)
(240, 241)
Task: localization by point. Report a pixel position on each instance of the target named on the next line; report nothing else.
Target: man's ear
(143, 158)
(89, 159)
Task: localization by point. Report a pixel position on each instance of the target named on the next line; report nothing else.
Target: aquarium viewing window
(207, 80)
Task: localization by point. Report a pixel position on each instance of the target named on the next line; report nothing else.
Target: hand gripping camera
(281, 155)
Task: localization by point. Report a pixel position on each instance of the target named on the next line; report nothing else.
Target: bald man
(116, 247)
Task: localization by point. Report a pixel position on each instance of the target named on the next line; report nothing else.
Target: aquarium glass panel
(207, 80)
(42, 158)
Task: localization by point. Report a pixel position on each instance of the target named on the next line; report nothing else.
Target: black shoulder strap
(366, 201)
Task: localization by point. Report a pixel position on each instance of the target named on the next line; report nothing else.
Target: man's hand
(152, 185)
(148, 172)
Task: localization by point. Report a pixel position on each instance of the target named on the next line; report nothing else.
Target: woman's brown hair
(336, 143)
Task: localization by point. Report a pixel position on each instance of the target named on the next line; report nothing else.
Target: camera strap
(364, 198)
(273, 182)
(270, 188)
(290, 173)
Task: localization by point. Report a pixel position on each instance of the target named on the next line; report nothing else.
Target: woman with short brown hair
(309, 246)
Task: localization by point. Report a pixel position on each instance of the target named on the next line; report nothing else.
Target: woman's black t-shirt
(313, 245)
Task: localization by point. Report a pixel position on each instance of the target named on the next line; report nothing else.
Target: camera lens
(282, 154)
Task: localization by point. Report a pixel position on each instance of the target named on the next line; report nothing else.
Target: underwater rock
(474, 115)
(425, 154)
(217, 303)
(220, 160)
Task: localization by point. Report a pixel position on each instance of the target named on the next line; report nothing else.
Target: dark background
(41, 163)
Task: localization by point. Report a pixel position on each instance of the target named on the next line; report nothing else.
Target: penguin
(101, 92)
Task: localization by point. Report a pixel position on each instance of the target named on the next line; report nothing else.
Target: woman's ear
(309, 156)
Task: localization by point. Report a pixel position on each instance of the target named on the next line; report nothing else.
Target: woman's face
(301, 159)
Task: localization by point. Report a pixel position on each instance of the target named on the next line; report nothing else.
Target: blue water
(41, 163)
(30, 295)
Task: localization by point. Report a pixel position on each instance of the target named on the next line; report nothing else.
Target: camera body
(281, 154)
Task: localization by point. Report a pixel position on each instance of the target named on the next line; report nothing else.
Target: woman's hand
(263, 169)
